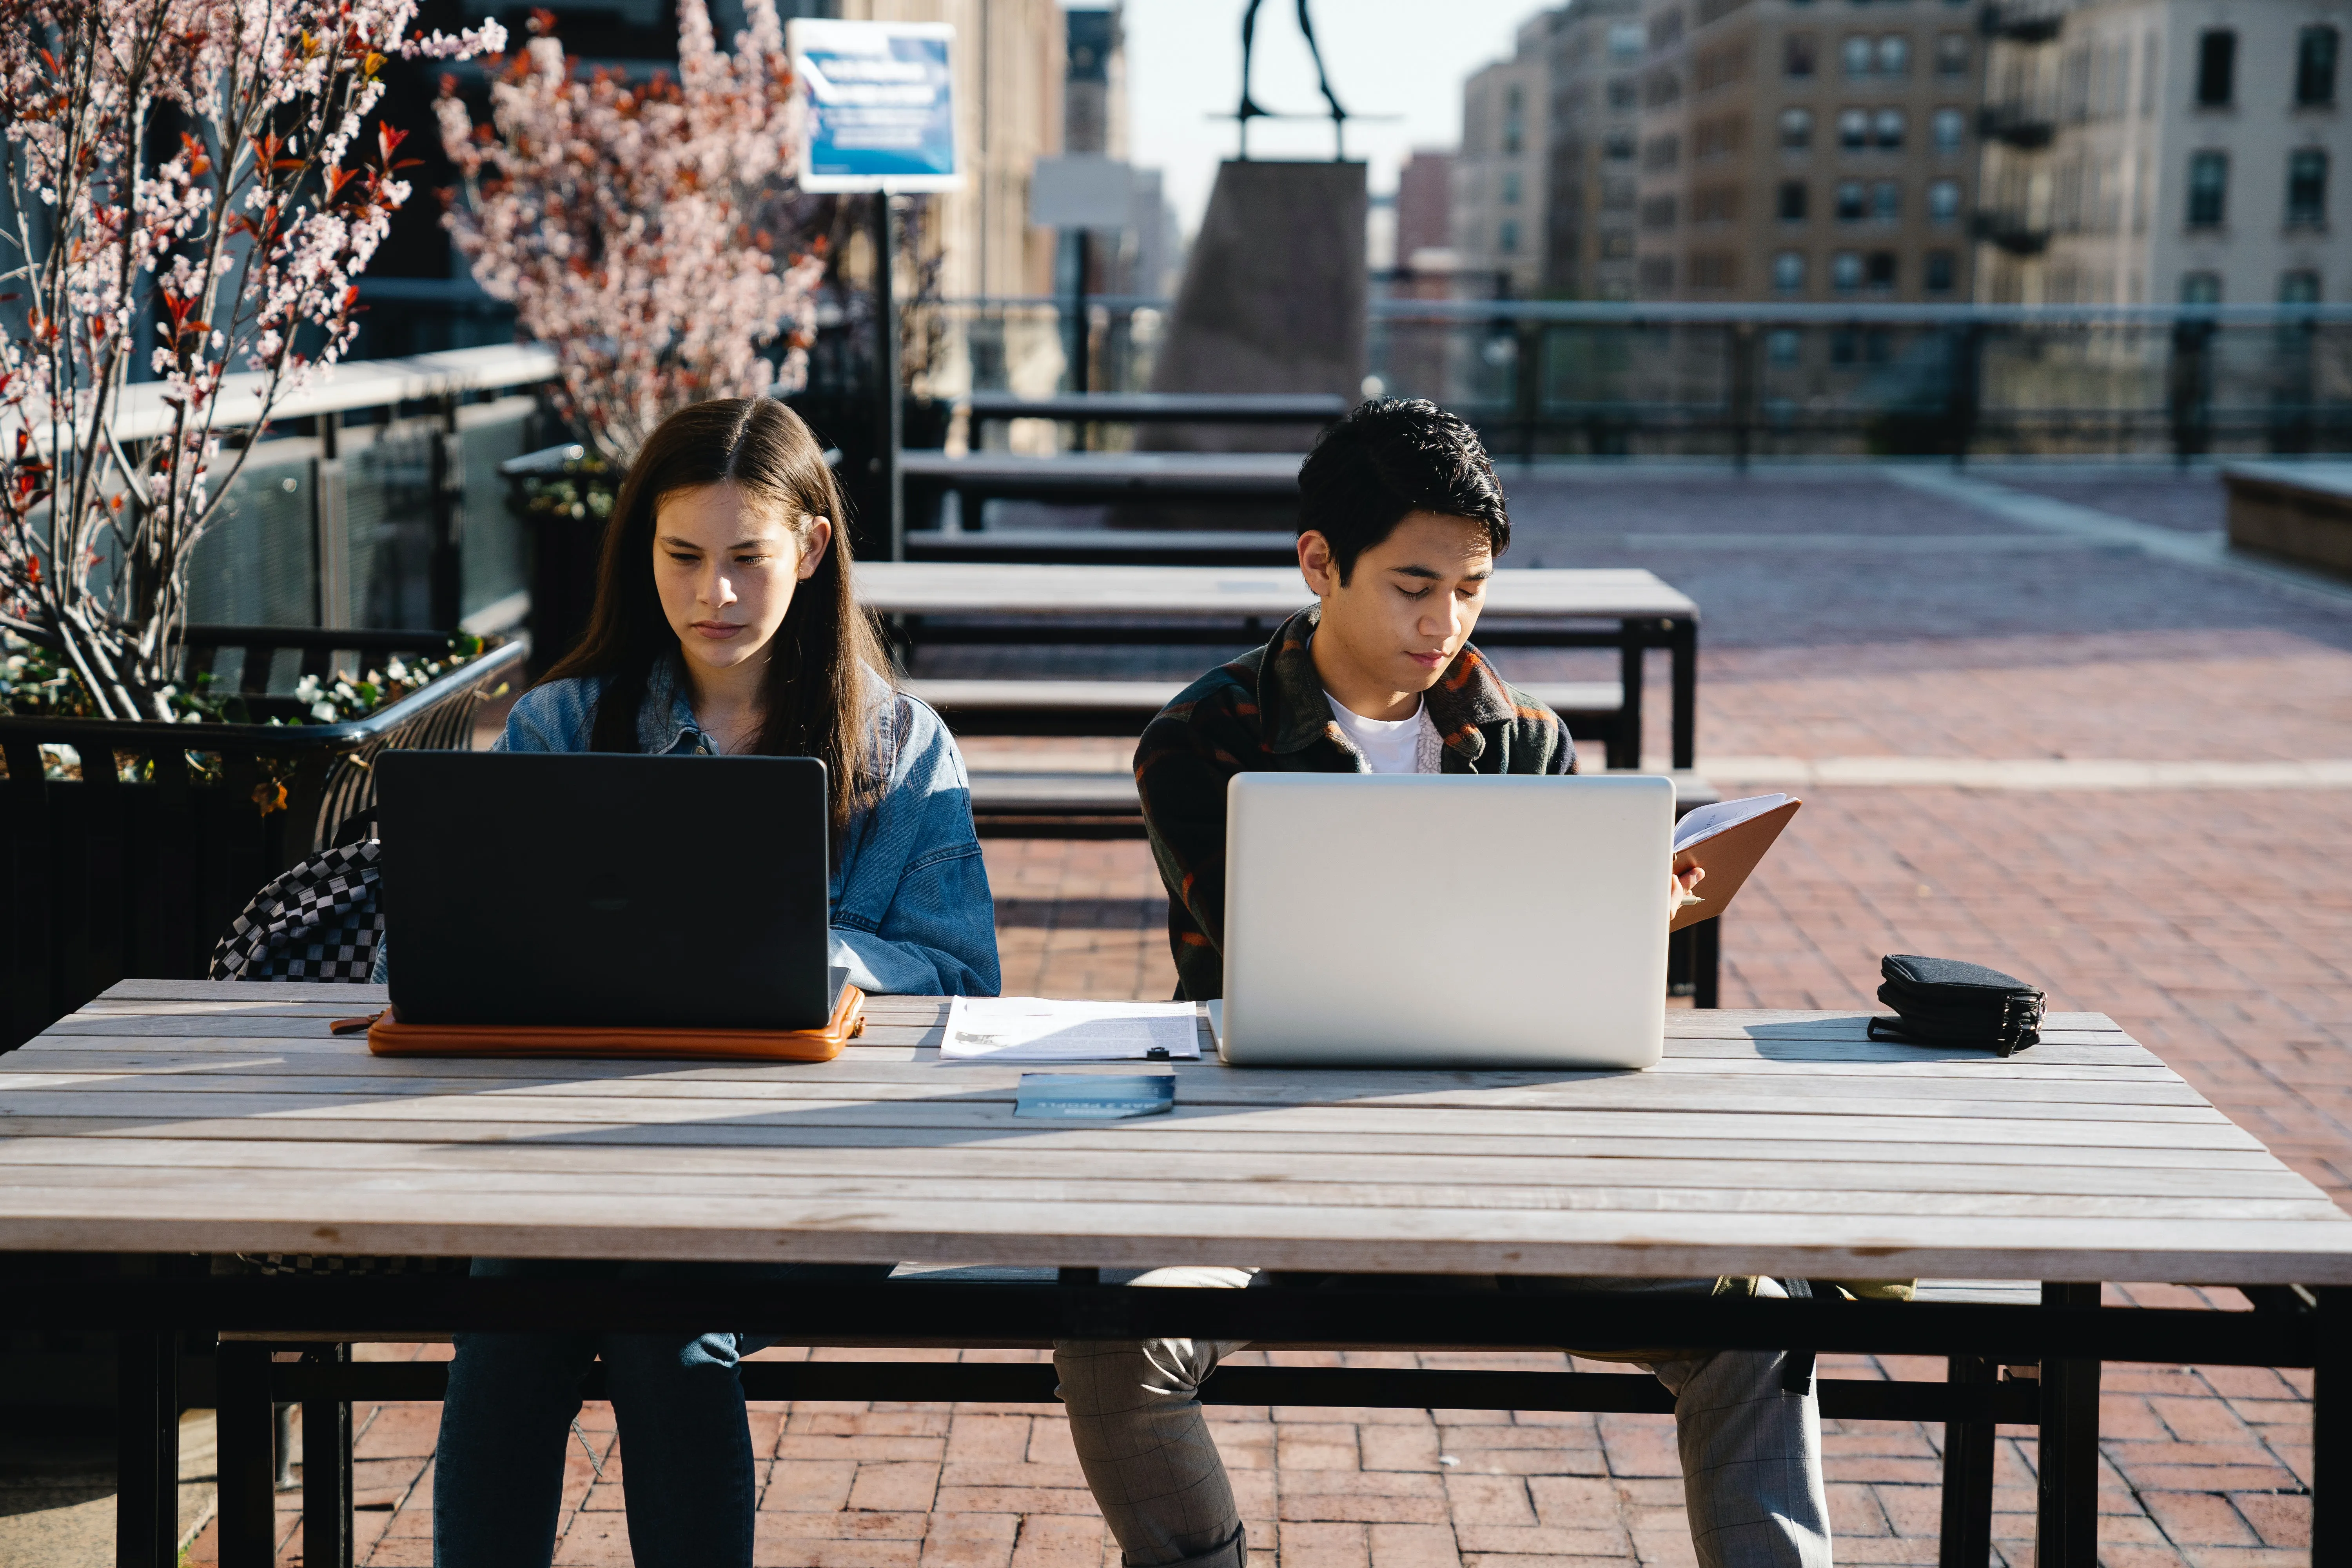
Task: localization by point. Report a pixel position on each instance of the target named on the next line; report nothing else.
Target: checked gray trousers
(1751, 1451)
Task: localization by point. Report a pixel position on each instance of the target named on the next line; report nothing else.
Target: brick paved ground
(2212, 923)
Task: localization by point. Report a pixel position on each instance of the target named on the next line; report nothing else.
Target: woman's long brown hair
(819, 698)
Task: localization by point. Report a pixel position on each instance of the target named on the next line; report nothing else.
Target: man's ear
(1315, 563)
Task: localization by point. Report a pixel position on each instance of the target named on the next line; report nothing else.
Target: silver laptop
(1446, 920)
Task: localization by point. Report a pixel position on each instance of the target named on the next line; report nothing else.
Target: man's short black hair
(1390, 456)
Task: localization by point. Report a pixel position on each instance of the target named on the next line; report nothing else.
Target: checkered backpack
(317, 922)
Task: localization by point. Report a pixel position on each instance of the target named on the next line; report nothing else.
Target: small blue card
(1090, 1097)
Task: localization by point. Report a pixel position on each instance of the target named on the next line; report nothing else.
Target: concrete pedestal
(1273, 301)
(2299, 510)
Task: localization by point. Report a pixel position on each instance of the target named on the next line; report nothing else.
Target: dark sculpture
(1249, 110)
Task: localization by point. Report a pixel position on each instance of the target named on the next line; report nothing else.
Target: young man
(1400, 519)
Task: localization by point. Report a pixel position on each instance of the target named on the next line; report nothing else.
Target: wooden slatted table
(186, 1116)
(952, 602)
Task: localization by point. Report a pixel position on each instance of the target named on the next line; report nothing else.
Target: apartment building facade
(2166, 151)
(1498, 178)
(1594, 54)
(1806, 150)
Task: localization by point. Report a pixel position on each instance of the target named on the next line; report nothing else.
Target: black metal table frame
(1631, 635)
(2067, 1338)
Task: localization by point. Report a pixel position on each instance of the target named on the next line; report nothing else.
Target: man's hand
(1679, 885)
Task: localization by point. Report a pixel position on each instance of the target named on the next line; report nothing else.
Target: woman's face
(725, 567)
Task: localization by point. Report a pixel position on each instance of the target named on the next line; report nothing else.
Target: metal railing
(1752, 379)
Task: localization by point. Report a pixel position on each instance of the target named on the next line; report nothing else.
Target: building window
(1789, 272)
(1658, 213)
(2306, 187)
(1952, 53)
(1942, 272)
(1852, 201)
(1854, 129)
(1657, 275)
(1796, 129)
(1886, 201)
(2315, 66)
(1858, 54)
(1662, 151)
(1846, 272)
(1507, 236)
(1881, 270)
(1780, 345)
(2217, 68)
(1624, 95)
(1792, 201)
(1510, 187)
(1616, 244)
(1950, 129)
(1943, 201)
(2200, 287)
(1715, 270)
(1892, 123)
(1618, 146)
(1895, 55)
(1626, 40)
(2208, 189)
(1617, 194)
(2299, 287)
(1800, 54)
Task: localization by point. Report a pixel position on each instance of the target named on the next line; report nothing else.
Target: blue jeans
(498, 1481)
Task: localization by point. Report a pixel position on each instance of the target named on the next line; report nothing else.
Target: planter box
(102, 880)
(2302, 511)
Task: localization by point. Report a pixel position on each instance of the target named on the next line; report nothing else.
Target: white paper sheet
(1698, 827)
(1036, 1029)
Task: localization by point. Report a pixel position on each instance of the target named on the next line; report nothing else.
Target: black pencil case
(1944, 1002)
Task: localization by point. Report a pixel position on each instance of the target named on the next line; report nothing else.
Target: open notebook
(1728, 839)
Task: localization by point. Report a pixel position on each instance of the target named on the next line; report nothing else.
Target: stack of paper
(1034, 1029)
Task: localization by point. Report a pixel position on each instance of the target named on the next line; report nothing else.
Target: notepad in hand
(1036, 1029)
(1728, 838)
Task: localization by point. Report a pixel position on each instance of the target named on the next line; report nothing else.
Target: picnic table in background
(1303, 408)
(185, 1117)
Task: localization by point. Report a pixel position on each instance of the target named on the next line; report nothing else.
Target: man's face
(1409, 606)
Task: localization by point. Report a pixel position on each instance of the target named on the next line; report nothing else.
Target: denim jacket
(911, 913)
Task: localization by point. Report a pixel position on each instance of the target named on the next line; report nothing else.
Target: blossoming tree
(631, 222)
(184, 195)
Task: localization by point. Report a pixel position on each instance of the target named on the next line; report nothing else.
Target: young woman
(724, 623)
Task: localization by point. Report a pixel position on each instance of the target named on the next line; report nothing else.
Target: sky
(1400, 58)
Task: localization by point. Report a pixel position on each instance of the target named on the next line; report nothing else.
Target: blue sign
(880, 105)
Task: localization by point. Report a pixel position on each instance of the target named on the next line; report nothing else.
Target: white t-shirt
(1390, 745)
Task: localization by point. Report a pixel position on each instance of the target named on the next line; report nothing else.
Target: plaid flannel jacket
(1266, 711)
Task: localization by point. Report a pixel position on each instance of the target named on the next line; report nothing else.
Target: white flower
(325, 713)
(307, 688)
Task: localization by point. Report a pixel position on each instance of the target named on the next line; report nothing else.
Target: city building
(2160, 151)
(1804, 150)
(1594, 49)
(1424, 212)
(1498, 181)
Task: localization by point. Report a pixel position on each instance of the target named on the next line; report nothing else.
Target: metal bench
(1107, 547)
(1591, 708)
(1160, 408)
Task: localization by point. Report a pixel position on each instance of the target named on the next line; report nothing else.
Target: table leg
(1624, 742)
(2331, 1435)
(248, 1498)
(1706, 963)
(1685, 646)
(1967, 1475)
(147, 1450)
(2067, 1526)
(327, 1471)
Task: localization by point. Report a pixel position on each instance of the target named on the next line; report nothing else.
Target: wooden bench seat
(1019, 707)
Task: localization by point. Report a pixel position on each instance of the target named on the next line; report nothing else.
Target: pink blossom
(234, 248)
(623, 219)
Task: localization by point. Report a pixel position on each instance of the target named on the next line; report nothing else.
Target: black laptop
(601, 888)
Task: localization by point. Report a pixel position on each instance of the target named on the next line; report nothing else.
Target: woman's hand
(1678, 885)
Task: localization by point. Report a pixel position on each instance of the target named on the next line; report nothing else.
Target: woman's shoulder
(555, 717)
